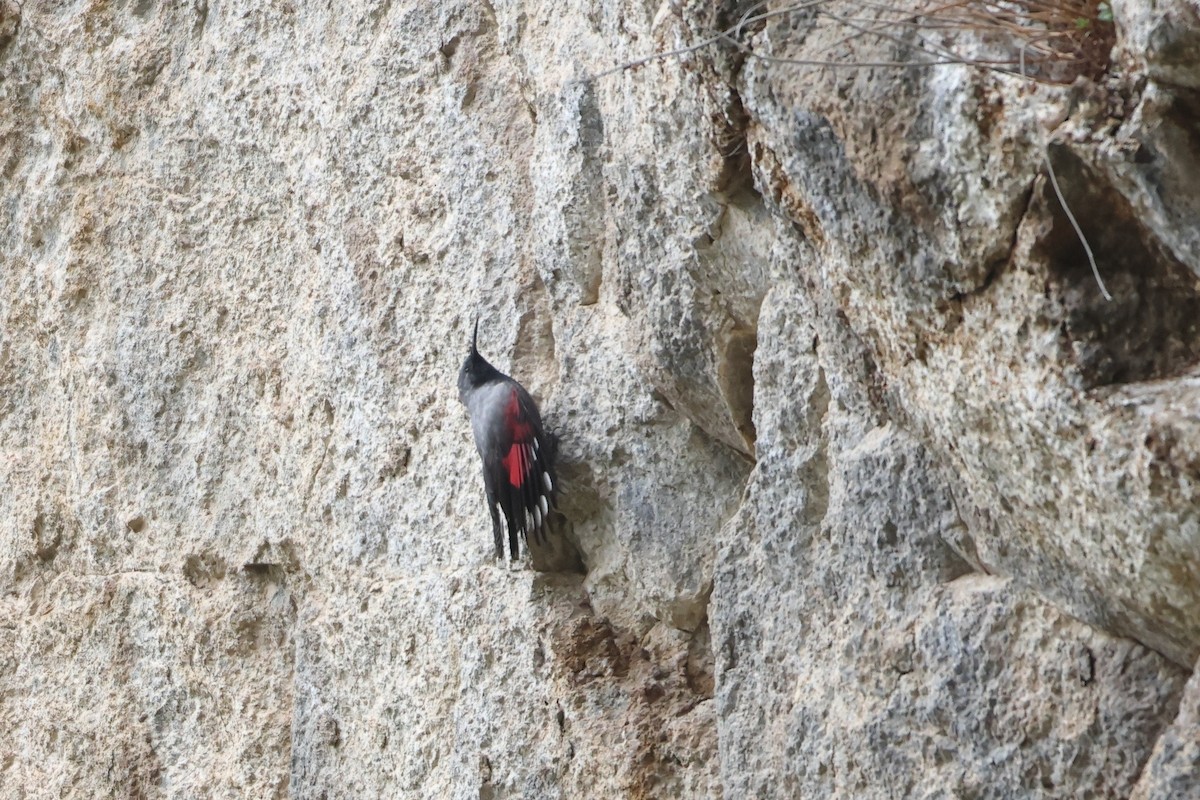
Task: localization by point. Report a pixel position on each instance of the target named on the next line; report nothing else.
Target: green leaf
(1104, 13)
(1081, 23)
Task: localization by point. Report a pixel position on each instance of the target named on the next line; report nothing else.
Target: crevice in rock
(816, 505)
(998, 266)
(264, 570)
(959, 538)
(579, 503)
(204, 568)
(735, 343)
(735, 377)
(10, 24)
(875, 383)
(1151, 328)
(952, 309)
(736, 179)
(559, 553)
(47, 537)
(700, 671)
(1184, 113)
(201, 19)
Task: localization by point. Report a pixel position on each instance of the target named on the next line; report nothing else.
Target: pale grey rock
(490, 683)
(1163, 38)
(858, 656)
(1174, 767)
(950, 258)
(148, 684)
(858, 466)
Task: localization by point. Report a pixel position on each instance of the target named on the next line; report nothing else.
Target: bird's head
(476, 371)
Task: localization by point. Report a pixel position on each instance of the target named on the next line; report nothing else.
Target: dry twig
(1051, 41)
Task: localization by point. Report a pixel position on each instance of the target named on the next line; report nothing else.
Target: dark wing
(524, 479)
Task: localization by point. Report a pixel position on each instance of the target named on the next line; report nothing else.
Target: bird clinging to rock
(517, 452)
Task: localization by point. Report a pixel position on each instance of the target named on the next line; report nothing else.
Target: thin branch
(1078, 231)
(1049, 46)
(1040, 48)
(893, 38)
(682, 51)
(744, 21)
(956, 61)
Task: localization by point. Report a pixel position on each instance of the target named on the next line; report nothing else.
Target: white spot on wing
(544, 504)
(546, 480)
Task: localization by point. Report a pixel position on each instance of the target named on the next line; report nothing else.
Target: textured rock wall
(870, 493)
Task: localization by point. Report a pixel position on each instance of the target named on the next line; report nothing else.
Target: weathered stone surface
(1162, 38)
(1174, 767)
(866, 480)
(491, 683)
(949, 256)
(138, 684)
(858, 656)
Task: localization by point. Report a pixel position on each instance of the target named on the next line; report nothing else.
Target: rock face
(869, 491)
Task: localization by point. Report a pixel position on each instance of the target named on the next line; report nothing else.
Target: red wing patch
(518, 463)
(519, 459)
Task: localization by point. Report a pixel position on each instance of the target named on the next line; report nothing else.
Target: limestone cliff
(874, 493)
